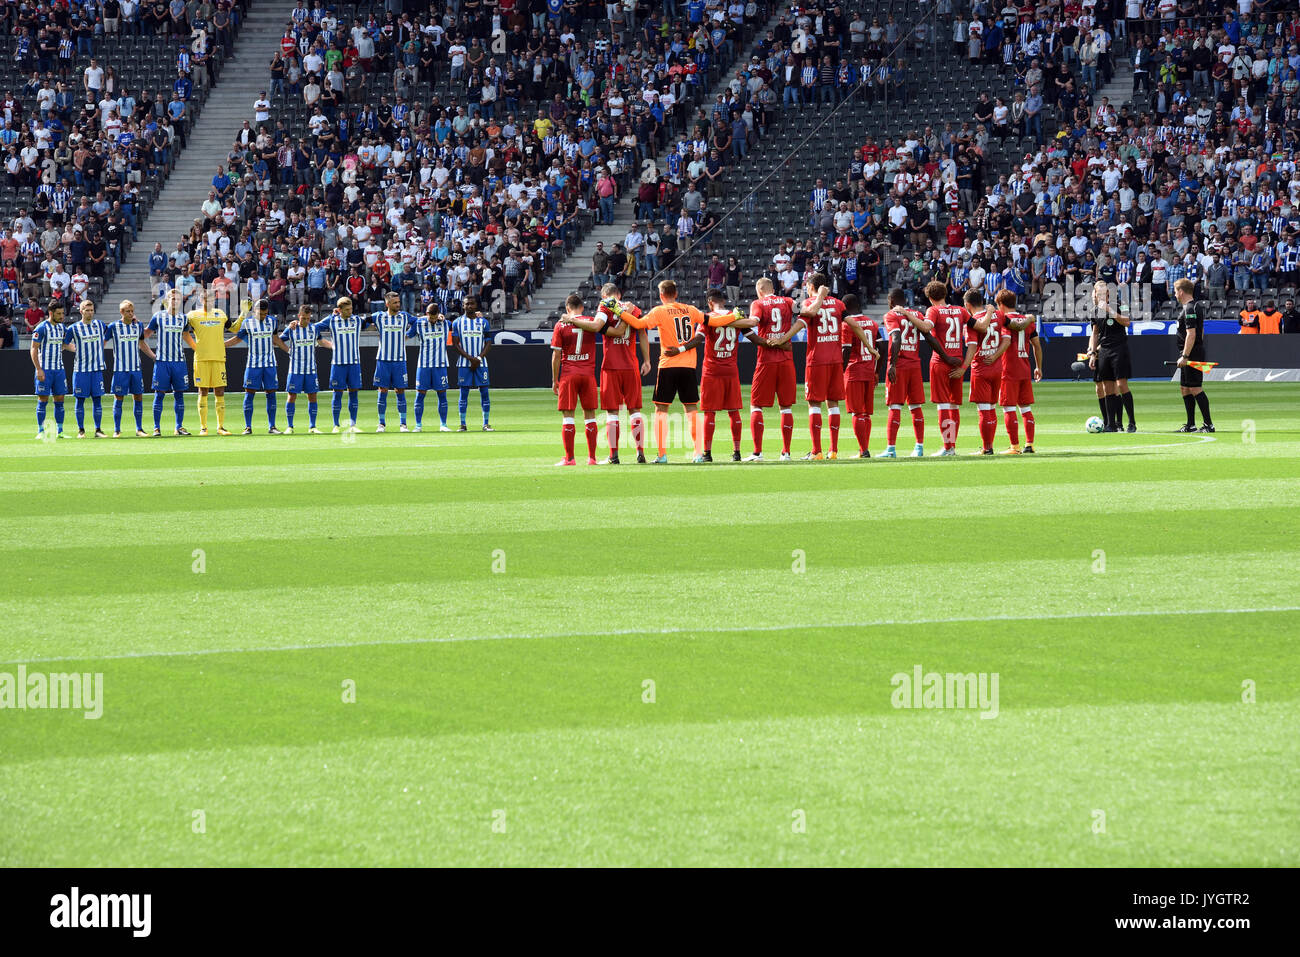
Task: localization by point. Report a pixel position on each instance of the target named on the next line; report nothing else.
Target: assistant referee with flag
(1191, 348)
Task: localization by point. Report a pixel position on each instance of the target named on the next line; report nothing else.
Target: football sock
(311, 413)
(221, 411)
(787, 430)
(1127, 398)
(1116, 410)
(484, 402)
(40, 414)
(139, 415)
(1203, 403)
(988, 427)
(834, 422)
(862, 430)
(58, 415)
(611, 432)
(463, 405)
(1013, 426)
(1105, 410)
(1028, 416)
(661, 432)
(442, 407)
(756, 429)
(248, 410)
(944, 427)
(892, 425)
(954, 425)
(710, 422)
(270, 409)
(735, 428)
(81, 415)
(401, 408)
(157, 410)
(336, 406)
(382, 406)
(288, 411)
(117, 414)
(693, 422)
(637, 423)
(354, 404)
(815, 429)
(568, 431)
(592, 433)
(179, 407)
(419, 409)
(203, 413)
(1189, 402)
(918, 424)
(97, 409)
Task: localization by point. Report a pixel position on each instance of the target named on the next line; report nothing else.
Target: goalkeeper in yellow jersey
(209, 326)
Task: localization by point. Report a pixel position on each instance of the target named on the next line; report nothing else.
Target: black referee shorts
(1112, 364)
(1190, 378)
(676, 382)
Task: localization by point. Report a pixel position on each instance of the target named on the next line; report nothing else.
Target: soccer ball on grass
(1094, 424)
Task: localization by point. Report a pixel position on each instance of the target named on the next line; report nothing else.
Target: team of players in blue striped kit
(466, 339)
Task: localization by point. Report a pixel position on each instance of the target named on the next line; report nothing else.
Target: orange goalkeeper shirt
(674, 322)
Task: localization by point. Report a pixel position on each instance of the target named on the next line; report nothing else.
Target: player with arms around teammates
(344, 329)
(432, 331)
(300, 339)
(395, 326)
(127, 336)
(260, 371)
(51, 377)
(949, 325)
(86, 339)
(859, 335)
(823, 378)
(471, 341)
(573, 375)
(986, 368)
(621, 370)
(170, 373)
(1016, 390)
(719, 336)
(905, 328)
(208, 327)
(774, 375)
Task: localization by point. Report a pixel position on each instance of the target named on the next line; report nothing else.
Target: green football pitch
(440, 649)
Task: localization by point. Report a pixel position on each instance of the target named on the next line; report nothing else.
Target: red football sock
(637, 422)
(787, 430)
(611, 432)
(592, 433)
(835, 430)
(988, 427)
(735, 428)
(815, 429)
(756, 429)
(710, 422)
(892, 425)
(1029, 428)
(954, 426)
(1013, 427)
(569, 431)
(918, 424)
(862, 430)
(942, 416)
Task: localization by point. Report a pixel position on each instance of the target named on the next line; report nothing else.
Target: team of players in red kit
(845, 354)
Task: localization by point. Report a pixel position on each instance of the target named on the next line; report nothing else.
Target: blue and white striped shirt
(470, 332)
(171, 336)
(260, 336)
(302, 348)
(394, 328)
(125, 337)
(346, 334)
(89, 339)
(432, 334)
(49, 336)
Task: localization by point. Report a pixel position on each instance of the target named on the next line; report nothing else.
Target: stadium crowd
(82, 149)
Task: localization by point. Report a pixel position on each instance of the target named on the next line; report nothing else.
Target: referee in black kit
(1191, 348)
(1109, 359)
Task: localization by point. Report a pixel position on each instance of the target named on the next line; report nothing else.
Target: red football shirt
(720, 346)
(907, 350)
(775, 314)
(949, 329)
(1015, 361)
(620, 352)
(861, 367)
(577, 348)
(988, 345)
(824, 333)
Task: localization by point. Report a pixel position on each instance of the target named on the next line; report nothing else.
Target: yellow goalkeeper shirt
(209, 331)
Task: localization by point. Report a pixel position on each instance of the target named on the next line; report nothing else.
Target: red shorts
(860, 394)
(943, 389)
(577, 390)
(719, 392)
(619, 387)
(906, 389)
(773, 382)
(983, 390)
(823, 383)
(1018, 392)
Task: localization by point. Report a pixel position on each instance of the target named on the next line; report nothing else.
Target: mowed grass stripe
(1201, 785)
(192, 615)
(870, 544)
(82, 518)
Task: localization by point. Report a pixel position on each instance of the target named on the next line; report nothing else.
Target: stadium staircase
(228, 105)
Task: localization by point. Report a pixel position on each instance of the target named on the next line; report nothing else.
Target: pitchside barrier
(521, 361)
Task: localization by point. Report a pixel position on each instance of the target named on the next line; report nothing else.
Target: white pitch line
(667, 632)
